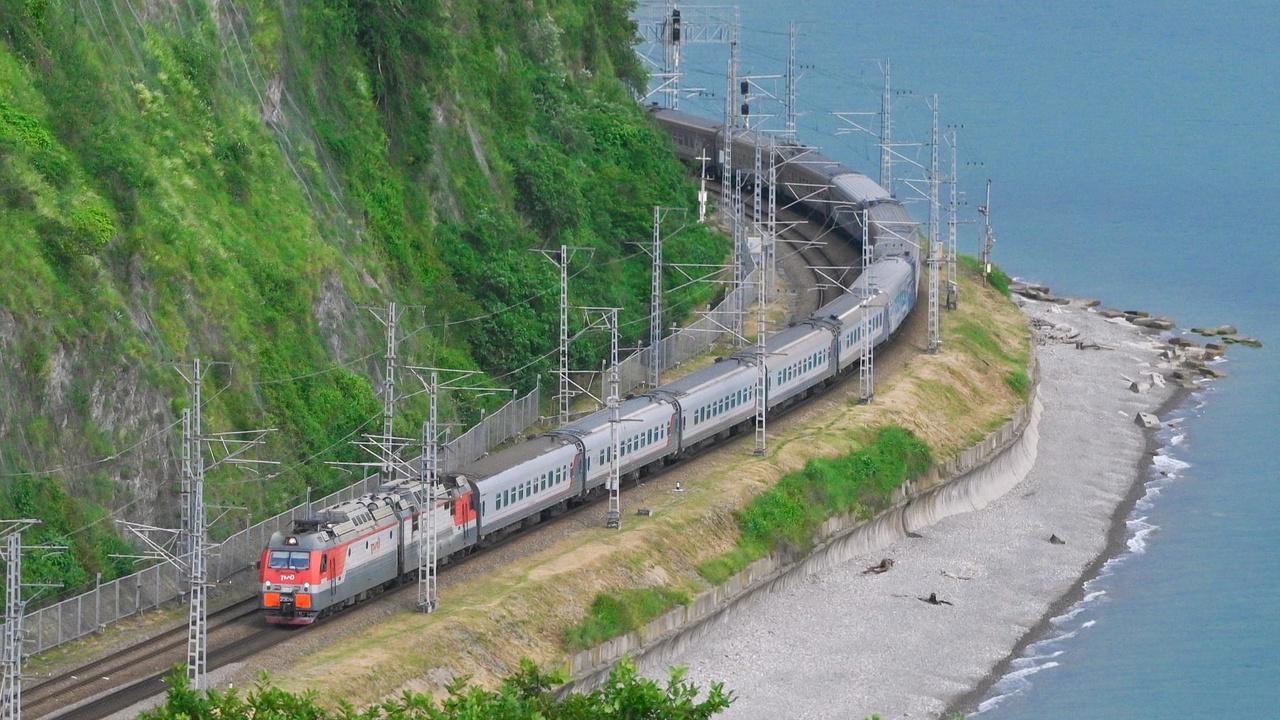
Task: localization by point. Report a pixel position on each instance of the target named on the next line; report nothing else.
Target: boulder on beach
(1147, 420)
(1055, 540)
(1139, 387)
(1109, 313)
(1137, 313)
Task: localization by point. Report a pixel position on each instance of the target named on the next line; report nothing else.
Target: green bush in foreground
(791, 512)
(528, 694)
(614, 614)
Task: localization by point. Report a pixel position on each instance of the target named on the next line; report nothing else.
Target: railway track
(94, 678)
(95, 690)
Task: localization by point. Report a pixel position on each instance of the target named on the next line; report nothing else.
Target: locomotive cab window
(284, 560)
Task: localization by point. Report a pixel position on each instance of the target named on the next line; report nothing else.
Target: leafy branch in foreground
(529, 693)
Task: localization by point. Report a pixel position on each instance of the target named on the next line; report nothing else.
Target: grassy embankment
(584, 582)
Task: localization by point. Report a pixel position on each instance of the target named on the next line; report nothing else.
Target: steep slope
(235, 179)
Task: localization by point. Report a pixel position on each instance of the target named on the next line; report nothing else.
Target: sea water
(1135, 156)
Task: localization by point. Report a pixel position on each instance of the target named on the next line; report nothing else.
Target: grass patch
(790, 513)
(617, 613)
(997, 278)
(1018, 382)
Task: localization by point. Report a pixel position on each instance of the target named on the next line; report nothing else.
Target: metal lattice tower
(739, 259)
(429, 475)
(935, 250)
(771, 230)
(953, 207)
(613, 519)
(757, 210)
(702, 187)
(565, 392)
(791, 86)
(886, 131)
(988, 235)
(560, 258)
(12, 653)
(429, 537)
(866, 368)
(762, 371)
(187, 538)
(389, 392)
(655, 303)
(11, 681)
(197, 606)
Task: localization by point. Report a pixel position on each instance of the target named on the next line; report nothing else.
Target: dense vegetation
(528, 694)
(236, 180)
(790, 513)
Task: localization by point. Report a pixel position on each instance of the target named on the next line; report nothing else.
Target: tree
(528, 694)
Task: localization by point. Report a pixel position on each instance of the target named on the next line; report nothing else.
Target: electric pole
(702, 188)
(791, 86)
(614, 517)
(188, 546)
(935, 251)
(655, 303)
(866, 368)
(11, 549)
(429, 475)
(953, 207)
(390, 321)
(198, 605)
(886, 131)
(988, 236)
(561, 260)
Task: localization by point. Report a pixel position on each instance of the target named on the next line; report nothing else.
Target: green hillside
(238, 179)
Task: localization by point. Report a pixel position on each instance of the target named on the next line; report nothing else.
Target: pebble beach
(849, 644)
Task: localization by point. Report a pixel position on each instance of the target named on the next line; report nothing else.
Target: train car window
(324, 564)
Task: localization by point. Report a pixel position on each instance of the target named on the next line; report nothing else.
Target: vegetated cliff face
(235, 179)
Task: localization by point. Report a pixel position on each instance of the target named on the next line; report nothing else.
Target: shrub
(618, 613)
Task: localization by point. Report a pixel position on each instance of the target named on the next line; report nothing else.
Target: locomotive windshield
(284, 560)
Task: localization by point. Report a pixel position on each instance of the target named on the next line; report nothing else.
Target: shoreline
(1116, 546)
(865, 637)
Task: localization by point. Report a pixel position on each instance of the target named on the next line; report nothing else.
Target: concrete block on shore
(1090, 302)
(1242, 340)
(1109, 313)
(1139, 386)
(1155, 323)
(1147, 420)
(1137, 313)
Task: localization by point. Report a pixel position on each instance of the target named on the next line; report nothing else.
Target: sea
(1134, 153)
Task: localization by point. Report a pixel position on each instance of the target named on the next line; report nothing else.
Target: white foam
(1168, 464)
(1176, 440)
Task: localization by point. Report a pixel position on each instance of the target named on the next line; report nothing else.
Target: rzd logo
(290, 576)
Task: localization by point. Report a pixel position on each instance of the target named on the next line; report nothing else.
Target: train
(353, 550)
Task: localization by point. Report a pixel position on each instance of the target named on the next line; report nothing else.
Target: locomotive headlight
(266, 585)
(306, 587)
